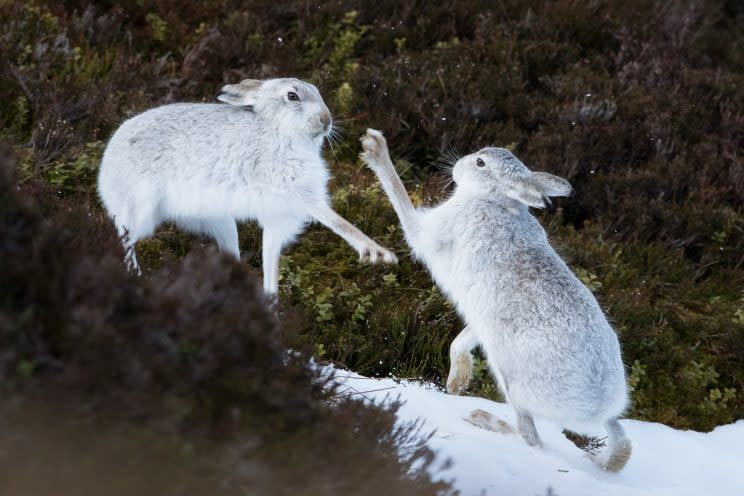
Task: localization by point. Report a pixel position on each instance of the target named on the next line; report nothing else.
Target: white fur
(546, 339)
(205, 166)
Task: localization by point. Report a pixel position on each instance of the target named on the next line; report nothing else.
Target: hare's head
(496, 171)
(295, 106)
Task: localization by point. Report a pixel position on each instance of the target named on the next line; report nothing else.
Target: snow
(665, 461)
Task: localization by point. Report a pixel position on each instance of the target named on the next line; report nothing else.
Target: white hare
(545, 337)
(204, 166)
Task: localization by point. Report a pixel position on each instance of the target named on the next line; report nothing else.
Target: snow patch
(665, 461)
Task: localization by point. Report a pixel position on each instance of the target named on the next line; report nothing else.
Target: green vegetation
(639, 104)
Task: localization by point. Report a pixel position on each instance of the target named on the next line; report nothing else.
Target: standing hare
(546, 339)
(204, 166)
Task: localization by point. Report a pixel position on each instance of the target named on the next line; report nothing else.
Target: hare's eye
(293, 97)
(480, 163)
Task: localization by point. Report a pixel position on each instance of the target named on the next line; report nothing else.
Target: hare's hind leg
(461, 361)
(222, 229)
(525, 425)
(225, 232)
(526, 428)
(133, 226)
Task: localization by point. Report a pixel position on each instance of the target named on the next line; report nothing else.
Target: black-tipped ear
(242, 94)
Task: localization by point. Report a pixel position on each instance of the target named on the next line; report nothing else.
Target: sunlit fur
(546, 339)
(204, 166)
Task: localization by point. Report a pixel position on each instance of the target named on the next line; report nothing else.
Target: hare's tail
(618, 450)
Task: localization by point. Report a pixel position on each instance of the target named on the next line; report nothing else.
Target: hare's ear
(242, 94)
(528, 191)
(552, 185)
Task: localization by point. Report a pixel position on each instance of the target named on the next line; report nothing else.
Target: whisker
(446, 162)
(451, 154)
(342, 143)
(336, 136)
(337, 131)
(447, 184)
(405, 170)
(333, 150)
(442, 165)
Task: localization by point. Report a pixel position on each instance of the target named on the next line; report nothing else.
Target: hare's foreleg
(377, 157)
(368, 250)
(276, 235)
(271, 251)
(461, 361)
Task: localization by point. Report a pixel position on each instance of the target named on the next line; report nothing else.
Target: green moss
(158, 25)
(78, 173)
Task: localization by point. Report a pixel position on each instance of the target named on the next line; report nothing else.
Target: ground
(665, 461)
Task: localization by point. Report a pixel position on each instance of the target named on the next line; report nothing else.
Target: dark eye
(293, 97)
(480, 163)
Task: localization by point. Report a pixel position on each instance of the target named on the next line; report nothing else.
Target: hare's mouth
(323, 133)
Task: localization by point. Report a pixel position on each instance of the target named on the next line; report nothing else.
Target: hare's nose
(325, 119)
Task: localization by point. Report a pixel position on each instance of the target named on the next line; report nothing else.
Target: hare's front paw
(375, 148)
(461, 371)
(373, 253)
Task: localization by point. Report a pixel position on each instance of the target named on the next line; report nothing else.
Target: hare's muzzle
(325, 119)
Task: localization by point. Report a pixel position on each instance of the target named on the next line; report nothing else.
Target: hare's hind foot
(484, 420)
(617, 451)
(525, 425)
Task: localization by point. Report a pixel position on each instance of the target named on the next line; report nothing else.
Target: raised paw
(461, 371)
(375, 150)
(485, 420)
(373, 253)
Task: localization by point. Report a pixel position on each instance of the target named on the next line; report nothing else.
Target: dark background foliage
(639, 104)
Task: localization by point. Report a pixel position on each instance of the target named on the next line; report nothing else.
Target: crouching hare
(546, 339)
(204, 166)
